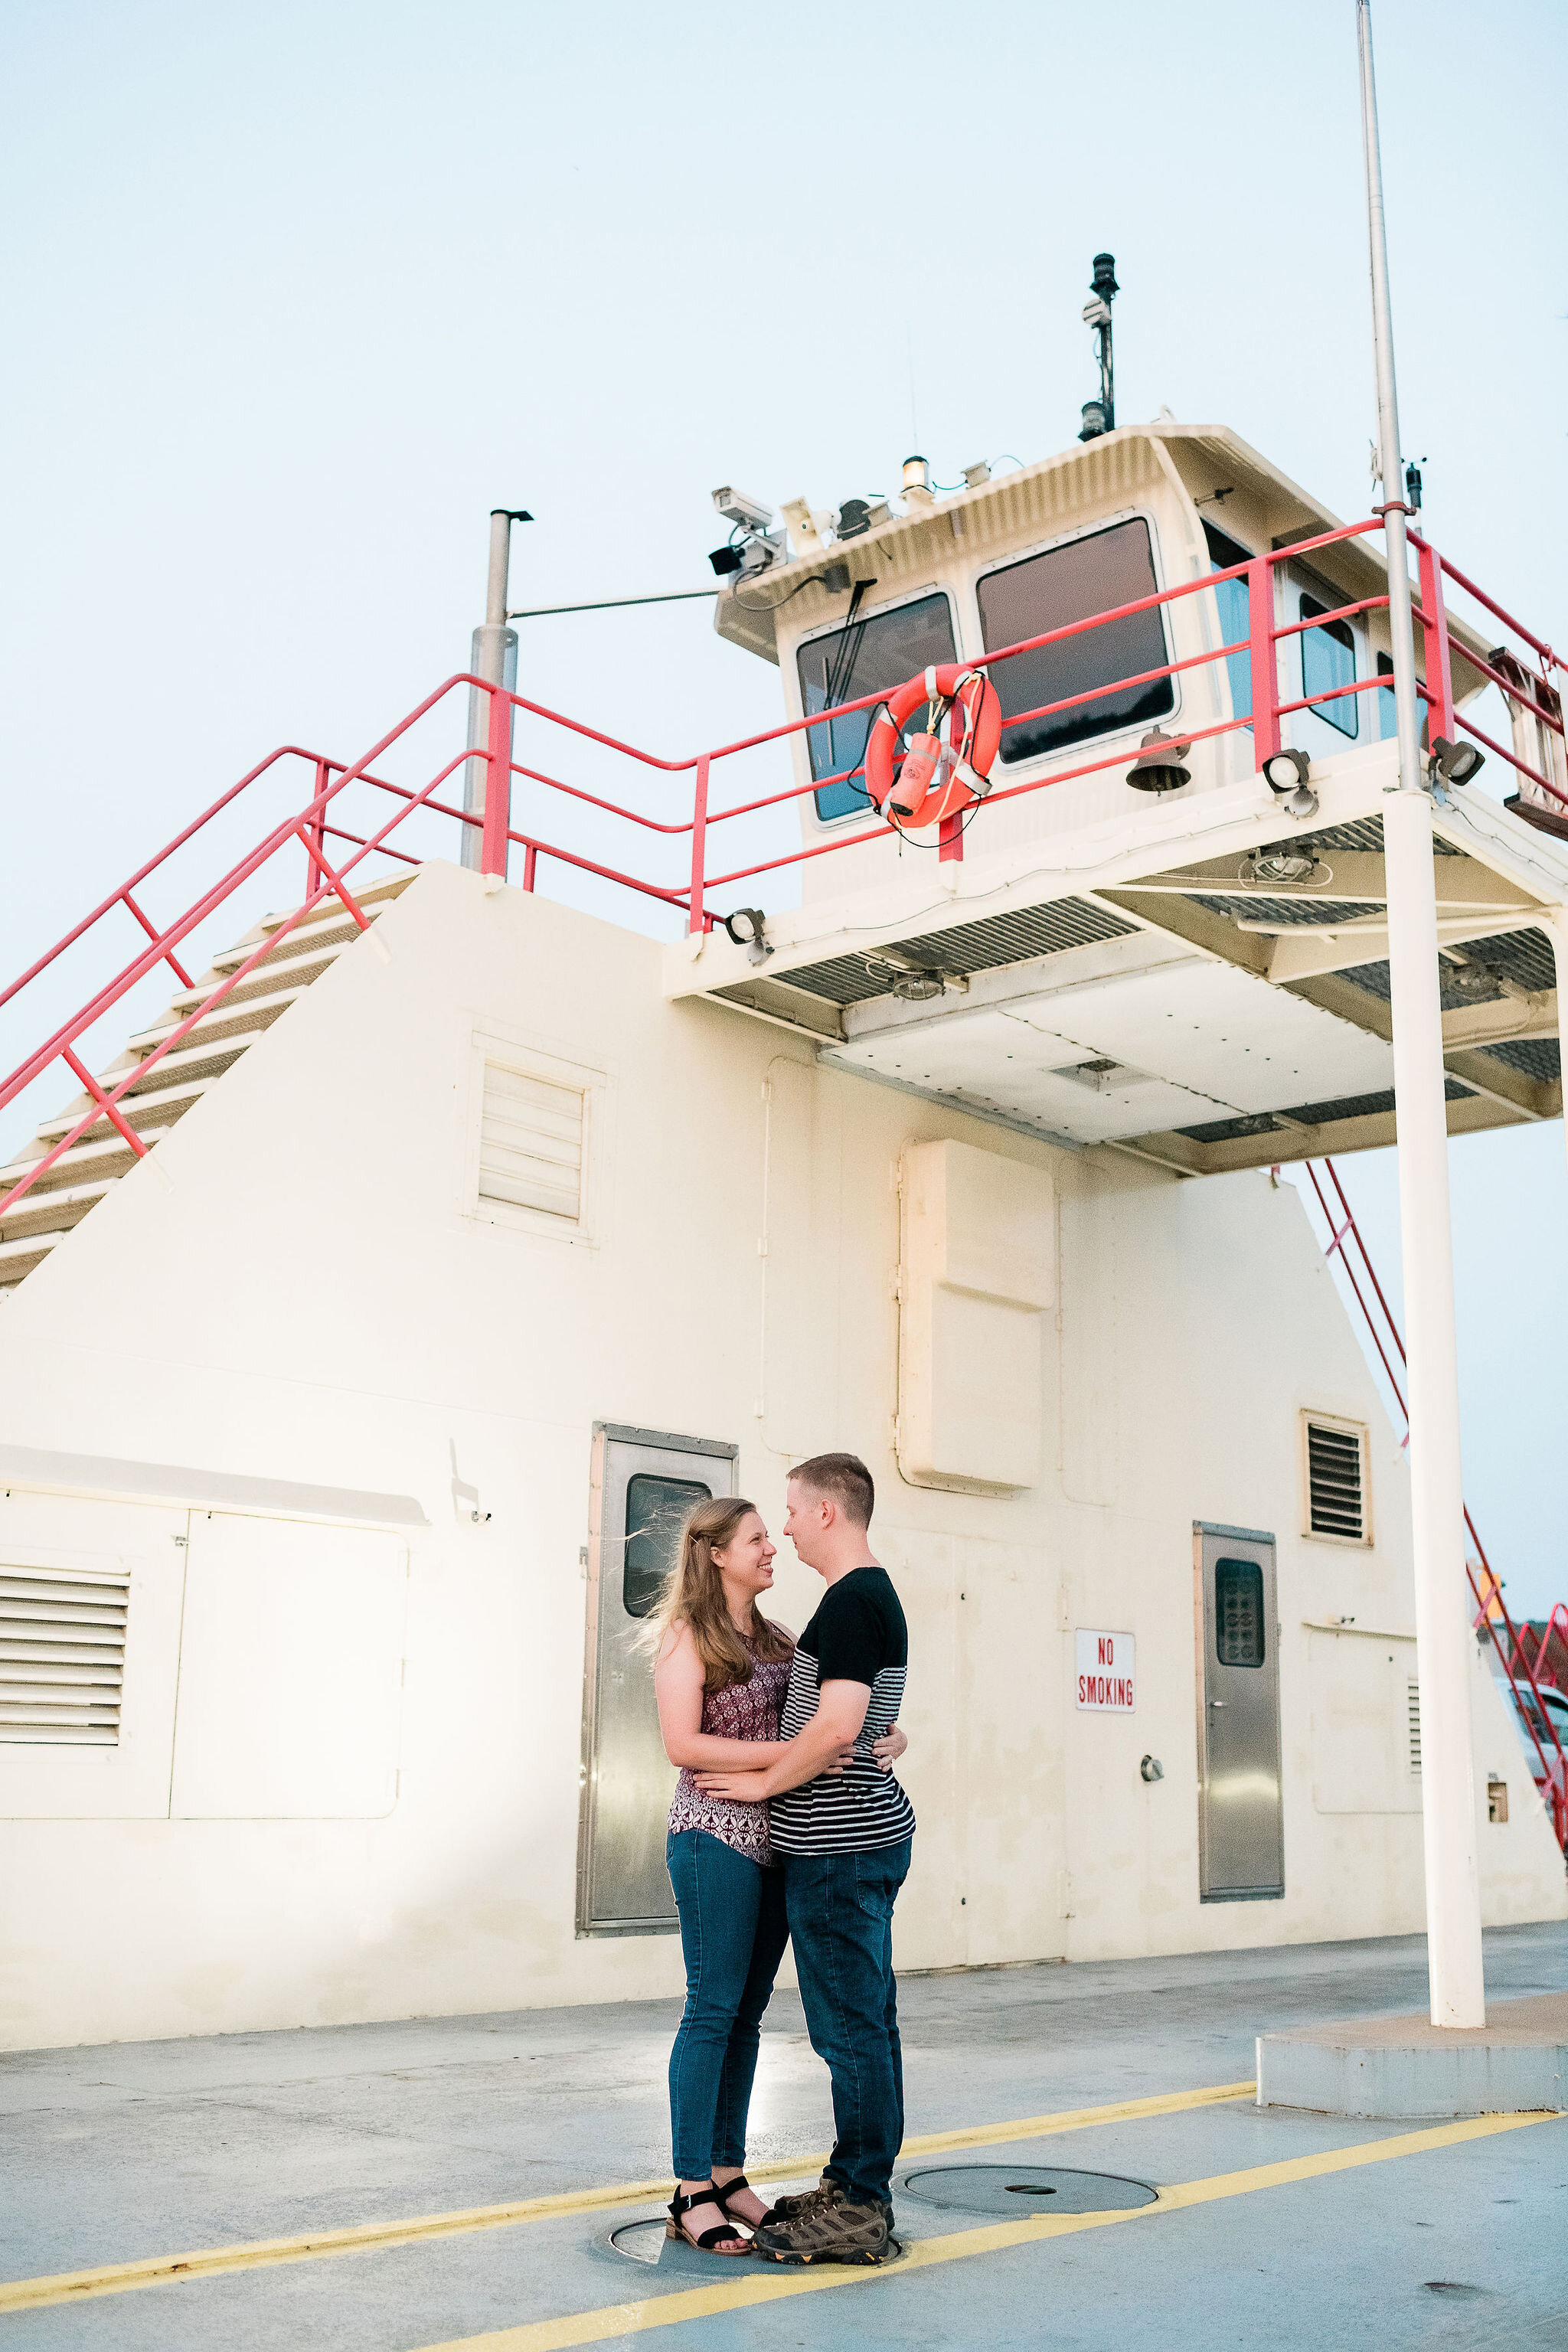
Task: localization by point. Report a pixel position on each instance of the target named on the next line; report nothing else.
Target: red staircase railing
(1548, 1766)
(322, 821)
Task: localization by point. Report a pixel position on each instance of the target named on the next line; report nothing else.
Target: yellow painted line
(925, 2253)
(118, 2278)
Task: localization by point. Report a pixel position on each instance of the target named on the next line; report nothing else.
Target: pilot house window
(1328, 660)
(870, 657)
(1088, 575)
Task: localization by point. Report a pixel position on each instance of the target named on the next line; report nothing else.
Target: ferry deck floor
(1305, 2230)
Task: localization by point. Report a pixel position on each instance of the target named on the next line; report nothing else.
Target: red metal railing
(1549, 1767)
(320, 825)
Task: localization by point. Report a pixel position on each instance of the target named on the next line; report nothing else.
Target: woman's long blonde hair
(693, 1595)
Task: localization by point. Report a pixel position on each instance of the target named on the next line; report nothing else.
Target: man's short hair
(845, 1480)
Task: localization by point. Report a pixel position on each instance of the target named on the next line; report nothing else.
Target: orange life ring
(947, 766)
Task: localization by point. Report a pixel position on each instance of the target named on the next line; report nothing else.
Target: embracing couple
(786, 1824)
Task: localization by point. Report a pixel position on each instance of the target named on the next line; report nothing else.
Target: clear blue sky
(296, 293)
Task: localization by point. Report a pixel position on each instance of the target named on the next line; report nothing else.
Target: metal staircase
(58, 1198)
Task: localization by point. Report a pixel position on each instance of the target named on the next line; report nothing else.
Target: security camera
(737, 507)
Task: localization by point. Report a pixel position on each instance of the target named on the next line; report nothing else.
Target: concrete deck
(1405, 2067)
(1272, 2228)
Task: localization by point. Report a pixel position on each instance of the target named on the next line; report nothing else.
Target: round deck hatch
(1014, 2190)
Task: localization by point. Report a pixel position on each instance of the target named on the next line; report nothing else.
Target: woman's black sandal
(721, 2199)
(711, 2241)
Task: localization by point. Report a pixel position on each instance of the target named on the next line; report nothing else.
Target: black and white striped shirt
(858, 1635)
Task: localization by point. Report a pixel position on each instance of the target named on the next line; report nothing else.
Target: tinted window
(654, 1510)
(1328, 660)
(1231, 597)
(1238, 1612)
(1046, 592)
(1387, 706)
(872, 656)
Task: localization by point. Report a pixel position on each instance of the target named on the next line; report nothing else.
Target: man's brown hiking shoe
(834, 2231)
(826, 2193)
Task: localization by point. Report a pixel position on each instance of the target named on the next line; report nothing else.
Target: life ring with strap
(945, 767)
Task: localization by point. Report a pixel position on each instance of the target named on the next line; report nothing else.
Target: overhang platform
(1147, 983)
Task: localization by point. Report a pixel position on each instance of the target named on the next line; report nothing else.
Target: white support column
(1436, 1488)
(1437, 1491)
(493, 655)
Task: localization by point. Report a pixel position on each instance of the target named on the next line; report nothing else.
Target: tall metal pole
(1437, 1496)
(493, 656)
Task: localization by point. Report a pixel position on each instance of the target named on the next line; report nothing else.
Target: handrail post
(498, 785)
(314, 876)
(1434, 628)
(1264, 662)
(696, 917)
(950, 839)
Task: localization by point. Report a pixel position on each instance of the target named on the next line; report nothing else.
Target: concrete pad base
(1404, 2066)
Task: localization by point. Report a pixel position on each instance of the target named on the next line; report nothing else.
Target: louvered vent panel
(62, 1658)
(531, 1144)
(1334, 1482)
(1413, 1712)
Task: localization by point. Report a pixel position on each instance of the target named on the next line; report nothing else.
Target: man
(844, 1839)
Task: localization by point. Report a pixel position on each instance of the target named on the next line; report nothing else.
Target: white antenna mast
(1443, 1649)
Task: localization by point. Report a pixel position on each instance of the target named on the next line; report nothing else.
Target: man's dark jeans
(841, 1922)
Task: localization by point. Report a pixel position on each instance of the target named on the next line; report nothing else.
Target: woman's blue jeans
(732, 1932)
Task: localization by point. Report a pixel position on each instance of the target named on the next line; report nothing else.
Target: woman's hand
(889, 1747)
(741, 1788)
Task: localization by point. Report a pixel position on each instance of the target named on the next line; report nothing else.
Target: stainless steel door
(644, 1484)
(1241, 1852)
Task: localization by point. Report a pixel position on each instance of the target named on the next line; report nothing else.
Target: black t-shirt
(858, 1635)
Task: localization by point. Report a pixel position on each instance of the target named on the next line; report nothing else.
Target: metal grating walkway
(1015, 938)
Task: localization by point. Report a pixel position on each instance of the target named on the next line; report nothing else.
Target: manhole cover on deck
(1014, 2190)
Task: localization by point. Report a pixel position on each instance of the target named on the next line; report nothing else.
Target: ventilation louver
(62, 1657)
(1337, 1505)
(1413, 1716)
(531, 1144)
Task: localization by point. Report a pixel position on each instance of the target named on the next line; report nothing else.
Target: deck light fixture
(1455, 763)
(1285, 773)
(1158, 767)
(746, 928)
(1278, 862)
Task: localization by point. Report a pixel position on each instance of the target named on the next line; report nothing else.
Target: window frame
(1346, 1427)
(830, 825)
(1133, 729)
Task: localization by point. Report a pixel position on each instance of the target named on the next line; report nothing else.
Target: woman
(719, 1679)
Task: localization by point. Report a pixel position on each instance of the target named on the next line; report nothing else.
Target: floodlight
(1455, 764)
(1284, 770)
(746, 928)
(725, 559)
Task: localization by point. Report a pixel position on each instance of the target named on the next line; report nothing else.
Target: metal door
(1241, 1852)
(644, 1483)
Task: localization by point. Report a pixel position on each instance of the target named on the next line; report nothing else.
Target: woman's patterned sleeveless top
(741, 1711)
